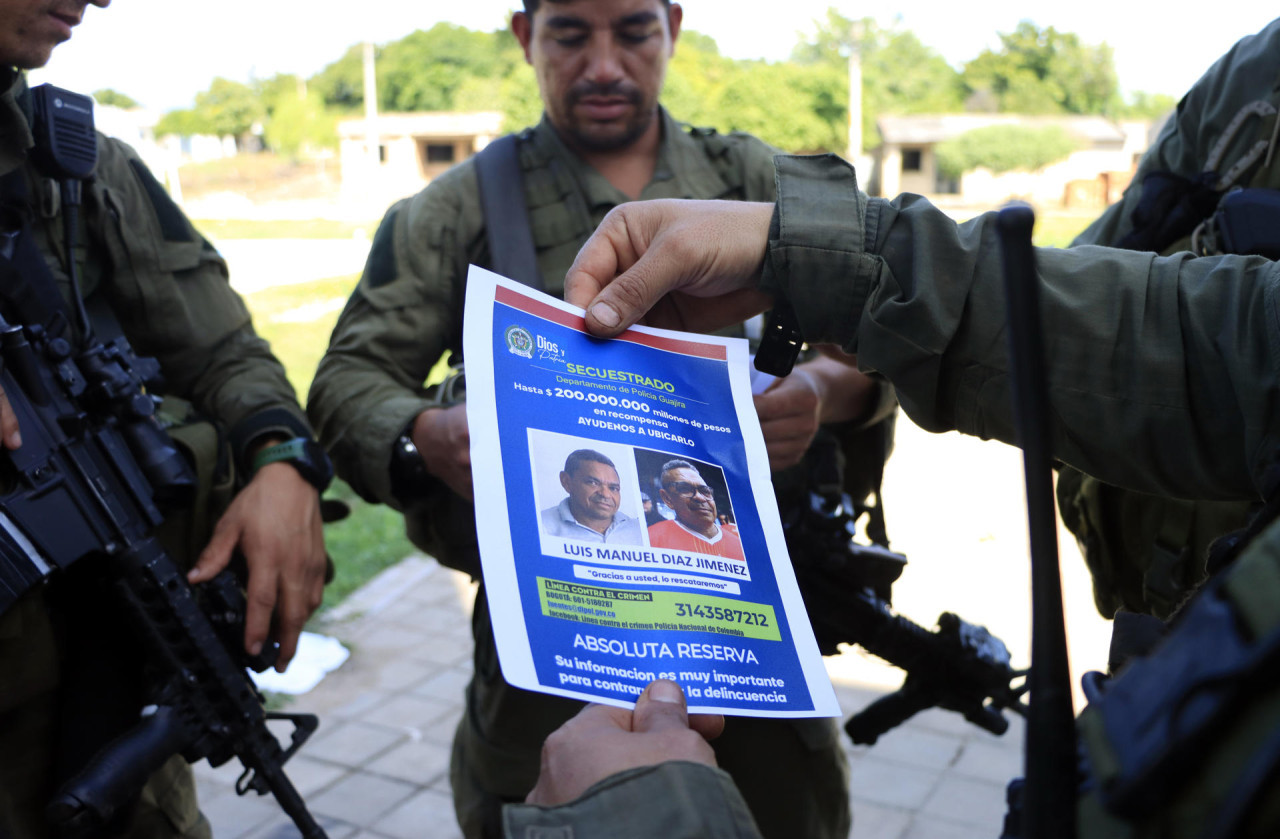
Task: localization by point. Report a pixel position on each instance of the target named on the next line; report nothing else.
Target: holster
(1190, 735)
(187, 529)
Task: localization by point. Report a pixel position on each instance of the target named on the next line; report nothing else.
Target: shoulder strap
(506, 217)
(28, 287)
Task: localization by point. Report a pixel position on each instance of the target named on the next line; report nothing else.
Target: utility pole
(371, 139)
(855, 92)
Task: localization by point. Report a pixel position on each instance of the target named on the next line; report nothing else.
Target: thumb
(627, 298)
(661, 707)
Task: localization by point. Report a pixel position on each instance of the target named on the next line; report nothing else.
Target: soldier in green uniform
(144, 270)
(604, 140)
(1163, 378)
(1147, 552)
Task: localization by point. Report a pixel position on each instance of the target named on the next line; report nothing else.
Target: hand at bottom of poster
(603, 740)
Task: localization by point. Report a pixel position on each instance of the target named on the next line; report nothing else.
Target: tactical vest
(1185, 742)
(1147, 553)
(106, 244)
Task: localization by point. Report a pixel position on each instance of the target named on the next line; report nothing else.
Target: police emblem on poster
(519, 342)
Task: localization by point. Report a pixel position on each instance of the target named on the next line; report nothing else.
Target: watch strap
(303, 454)
(294, 449)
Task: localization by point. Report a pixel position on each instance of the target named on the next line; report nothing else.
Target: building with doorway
(410, 149)
(1093, 175)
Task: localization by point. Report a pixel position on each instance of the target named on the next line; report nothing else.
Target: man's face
(30, 29)
(688, 495)
(600, 66)
(594, 491)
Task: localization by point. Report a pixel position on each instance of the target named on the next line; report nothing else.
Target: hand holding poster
(627, 524)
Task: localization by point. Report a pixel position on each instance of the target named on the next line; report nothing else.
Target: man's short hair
(581, 456)
(531, 6)
(676, 464)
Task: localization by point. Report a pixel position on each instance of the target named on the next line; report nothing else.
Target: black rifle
(85, 489)
(846, 587)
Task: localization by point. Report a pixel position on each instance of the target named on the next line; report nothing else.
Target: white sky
(162, 52)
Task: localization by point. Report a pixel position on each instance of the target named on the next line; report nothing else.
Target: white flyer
(595, 591)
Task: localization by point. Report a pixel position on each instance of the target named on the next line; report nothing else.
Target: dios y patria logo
(519, 341)
(549, 351)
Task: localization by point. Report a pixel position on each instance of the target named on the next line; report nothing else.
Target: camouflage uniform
(1146, 552)
(1164, 376)
(168, 289)
(405, 313)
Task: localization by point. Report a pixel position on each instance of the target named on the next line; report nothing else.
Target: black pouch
(1248, 222)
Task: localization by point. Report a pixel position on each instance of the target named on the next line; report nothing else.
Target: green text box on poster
(667, 610)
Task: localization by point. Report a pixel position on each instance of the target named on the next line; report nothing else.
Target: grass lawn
(1056, 230)
(297, 320)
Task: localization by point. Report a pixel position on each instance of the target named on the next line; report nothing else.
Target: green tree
(297, 122)
(423, 70)
(1150, 106)
(301, 124)
(519, 100)
(114, 98)
(182, 122)
(277, 88)
(427, 70)
(1044, 71)
(697, 78)
(341, 83)
(900, 75)
(229, 108)
(1004, 148)
(705, 88)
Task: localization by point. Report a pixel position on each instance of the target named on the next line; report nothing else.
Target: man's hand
(602, 741)
(822, 390)
(444, 440)
(9, 433)
(790, 412)
(691, 265)
(275, 521)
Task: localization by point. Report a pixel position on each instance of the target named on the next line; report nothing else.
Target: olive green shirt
(673, 800)
(166, 287)
(164, 283)
(1146, 552)
(407, 310)
(1163, 375)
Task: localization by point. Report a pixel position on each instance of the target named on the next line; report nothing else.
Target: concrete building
(1093, 175)
(411, 149)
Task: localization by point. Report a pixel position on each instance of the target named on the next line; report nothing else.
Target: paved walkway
(256, 264)
(378, 767)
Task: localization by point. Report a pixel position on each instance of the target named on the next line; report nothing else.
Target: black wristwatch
(303, 454)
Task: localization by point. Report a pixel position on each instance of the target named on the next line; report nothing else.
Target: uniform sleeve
(171, 294)
(1163, 372)
(674, 800)
(405, 313)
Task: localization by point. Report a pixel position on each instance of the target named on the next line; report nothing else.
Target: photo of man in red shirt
(696, 526)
